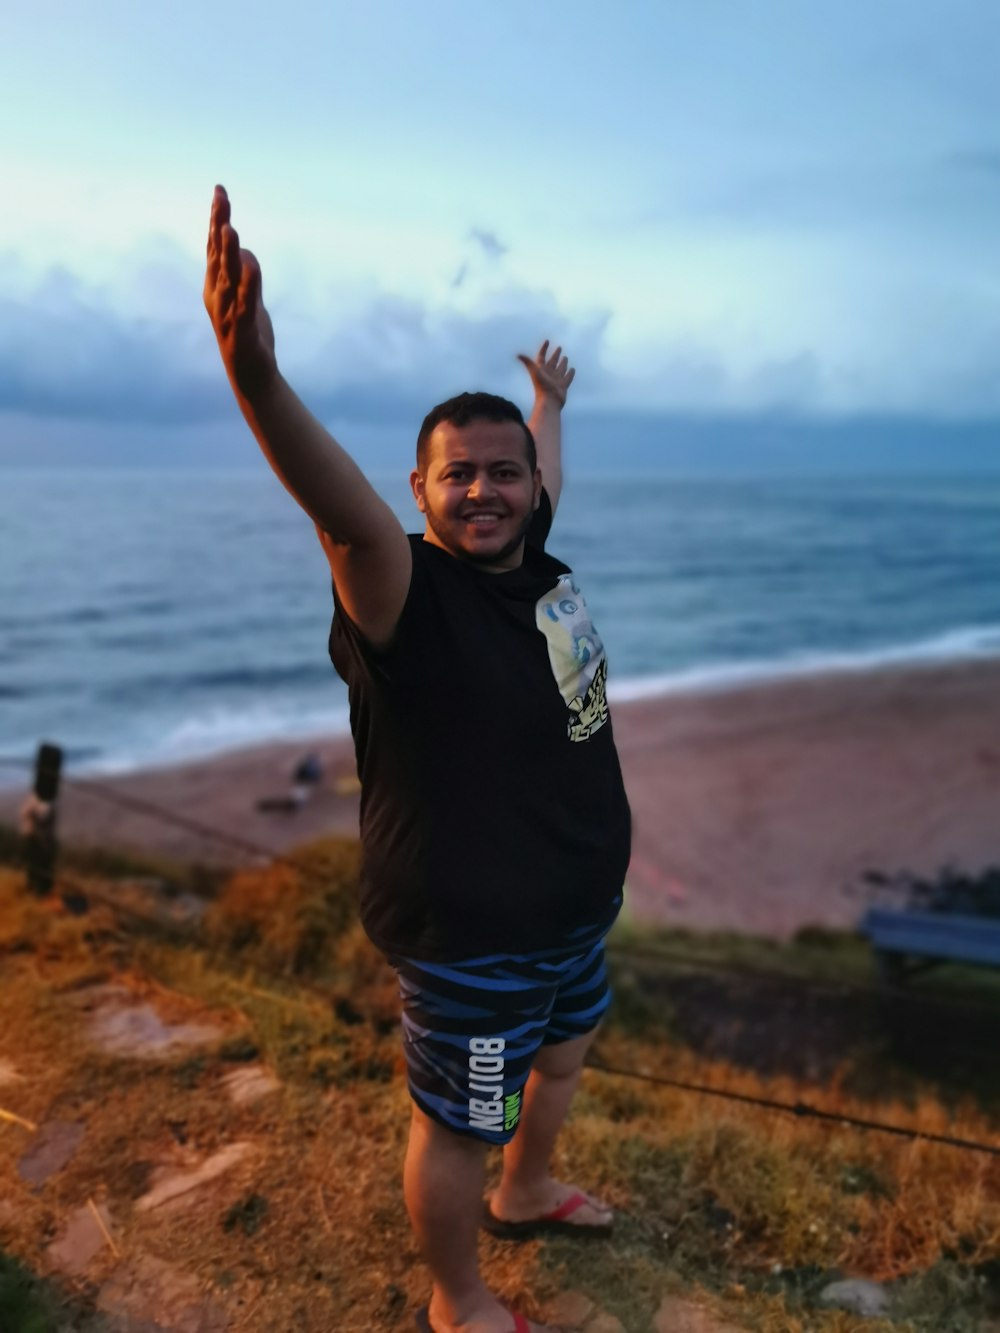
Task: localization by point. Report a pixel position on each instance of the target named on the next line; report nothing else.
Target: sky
(770, 211)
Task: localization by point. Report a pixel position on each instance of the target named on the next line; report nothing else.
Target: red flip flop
(521, 1324)
(550, 1224)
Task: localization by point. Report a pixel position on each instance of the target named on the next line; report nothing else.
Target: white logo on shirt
(576, 654)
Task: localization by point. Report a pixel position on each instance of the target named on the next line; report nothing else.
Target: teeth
(484, 518)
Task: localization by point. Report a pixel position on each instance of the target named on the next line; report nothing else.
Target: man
(494, 821)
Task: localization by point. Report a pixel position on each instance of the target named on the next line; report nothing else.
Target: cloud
(142, 353)
(396, 356)
(488, 247)
(65, 351)
(488, 242)
(72, 351)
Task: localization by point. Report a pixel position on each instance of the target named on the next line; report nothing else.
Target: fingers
(559, 364)
(231, 254)
(218, 216)
(219, 282)
(556, 364)
(550, 372)
(251, 282)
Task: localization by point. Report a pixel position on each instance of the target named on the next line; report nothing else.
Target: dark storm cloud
(68, 352)
(397, 358)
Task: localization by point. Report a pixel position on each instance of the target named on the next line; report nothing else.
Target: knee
(431, 1136)
(564, 1059)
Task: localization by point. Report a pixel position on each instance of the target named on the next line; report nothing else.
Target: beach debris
(306, 776)
(86, 1232)
(679, 1316)
(56, 1143)
(249, 1084)
(857, 1296)
(308, 771)
(179, 1183)
(104, 1223)
(12, 1119)
(278, 805)
(151, 1295)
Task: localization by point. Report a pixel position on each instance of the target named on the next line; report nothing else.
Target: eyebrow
(497, 462)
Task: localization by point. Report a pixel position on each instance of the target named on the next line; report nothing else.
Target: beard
(446, 538)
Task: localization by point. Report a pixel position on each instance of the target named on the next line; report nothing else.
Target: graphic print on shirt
(577, 657)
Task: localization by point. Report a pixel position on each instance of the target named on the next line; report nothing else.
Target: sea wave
(219, 731)
(972, 644)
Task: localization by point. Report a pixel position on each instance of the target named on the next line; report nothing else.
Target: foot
(489, 1316)
(551, 1206)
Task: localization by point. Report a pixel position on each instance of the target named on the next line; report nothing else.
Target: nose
(481, 486)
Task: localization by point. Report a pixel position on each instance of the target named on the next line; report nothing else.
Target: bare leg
(443, 1183)
(527, 1189)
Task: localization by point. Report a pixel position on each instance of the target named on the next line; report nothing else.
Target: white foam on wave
(972, 644)
(220, 731)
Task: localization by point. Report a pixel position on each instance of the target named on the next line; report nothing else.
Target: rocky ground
(189, 1146)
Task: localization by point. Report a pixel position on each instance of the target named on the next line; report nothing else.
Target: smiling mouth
(483, 519)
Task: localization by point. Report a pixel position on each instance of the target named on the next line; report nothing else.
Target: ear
(417, 487)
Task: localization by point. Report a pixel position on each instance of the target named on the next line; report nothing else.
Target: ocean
(148, 618)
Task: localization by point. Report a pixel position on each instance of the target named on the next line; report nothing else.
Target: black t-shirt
(493, 813)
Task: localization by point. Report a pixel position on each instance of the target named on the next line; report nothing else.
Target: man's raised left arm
(551, 377)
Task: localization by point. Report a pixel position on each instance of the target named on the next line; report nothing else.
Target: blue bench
(901, 939)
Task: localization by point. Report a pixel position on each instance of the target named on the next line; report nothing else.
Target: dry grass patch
(751, 1209)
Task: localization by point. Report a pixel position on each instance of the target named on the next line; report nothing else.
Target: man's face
(478, 493)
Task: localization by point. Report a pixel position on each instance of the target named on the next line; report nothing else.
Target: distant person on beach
(494, 821)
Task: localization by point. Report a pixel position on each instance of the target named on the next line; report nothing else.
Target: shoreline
(709, 680)
(756, 807)
(733, 678)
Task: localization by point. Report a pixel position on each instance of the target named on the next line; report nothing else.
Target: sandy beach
(756, 809)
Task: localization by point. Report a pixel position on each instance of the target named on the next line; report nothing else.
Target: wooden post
(38, 821)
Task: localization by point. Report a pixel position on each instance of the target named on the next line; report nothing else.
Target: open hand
(551, 375)
(234, 303)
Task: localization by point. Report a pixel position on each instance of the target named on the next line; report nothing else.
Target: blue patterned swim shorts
(472, 1030)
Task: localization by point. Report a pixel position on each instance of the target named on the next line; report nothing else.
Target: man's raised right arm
(368, 550)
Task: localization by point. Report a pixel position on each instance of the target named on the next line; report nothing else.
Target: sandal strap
(567, 1207)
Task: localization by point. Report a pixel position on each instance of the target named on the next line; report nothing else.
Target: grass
(749, 1211)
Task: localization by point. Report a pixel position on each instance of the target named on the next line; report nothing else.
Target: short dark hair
(468, 407)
